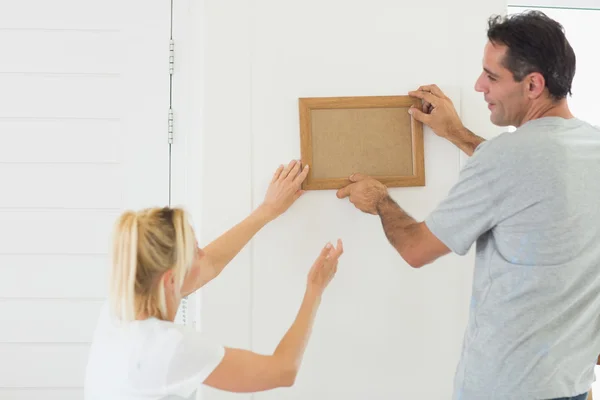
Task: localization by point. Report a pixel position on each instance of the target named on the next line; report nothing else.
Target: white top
(150, 360)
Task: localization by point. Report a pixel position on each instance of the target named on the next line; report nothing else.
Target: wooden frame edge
(307, 104)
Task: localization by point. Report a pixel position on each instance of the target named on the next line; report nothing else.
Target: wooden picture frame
(373, 135)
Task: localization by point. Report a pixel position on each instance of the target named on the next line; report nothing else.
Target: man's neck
(548, 109)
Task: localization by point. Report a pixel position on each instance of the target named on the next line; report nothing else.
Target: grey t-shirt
(531, 201)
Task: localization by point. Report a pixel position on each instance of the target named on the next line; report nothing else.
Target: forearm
(291, 348)
(397, 225)
(245, 371)
(223, 249)
(465, 140)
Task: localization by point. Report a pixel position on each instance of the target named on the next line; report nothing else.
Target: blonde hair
(146, 244)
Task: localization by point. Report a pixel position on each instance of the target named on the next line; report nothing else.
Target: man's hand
(437, 112)
(284, 188)
(365, 193)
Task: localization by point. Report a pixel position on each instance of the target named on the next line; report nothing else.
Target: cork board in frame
(373, 135)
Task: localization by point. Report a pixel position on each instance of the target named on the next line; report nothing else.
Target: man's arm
(413, 240)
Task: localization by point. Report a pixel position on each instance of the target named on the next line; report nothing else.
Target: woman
(137, 350)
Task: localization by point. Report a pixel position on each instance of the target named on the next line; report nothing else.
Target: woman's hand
(284, 188)
(324, 268)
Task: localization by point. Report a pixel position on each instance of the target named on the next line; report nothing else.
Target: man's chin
(498, 122)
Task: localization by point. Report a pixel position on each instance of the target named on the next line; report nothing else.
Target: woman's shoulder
(171, 342)
(192, 356)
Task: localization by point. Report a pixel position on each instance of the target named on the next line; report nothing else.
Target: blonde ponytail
(147, 244)
(124, 266)
(184, 235)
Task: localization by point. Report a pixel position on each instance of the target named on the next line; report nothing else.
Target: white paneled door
(84, 99)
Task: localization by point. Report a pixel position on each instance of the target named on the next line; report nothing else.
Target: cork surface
(372, 141)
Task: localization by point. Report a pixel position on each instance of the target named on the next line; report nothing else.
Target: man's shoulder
(495, 151)
(514, 148)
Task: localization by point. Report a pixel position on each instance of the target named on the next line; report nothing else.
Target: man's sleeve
(469, 210)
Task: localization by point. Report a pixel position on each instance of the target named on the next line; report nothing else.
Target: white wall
(558, 4)
(84, 86)
(384, 330)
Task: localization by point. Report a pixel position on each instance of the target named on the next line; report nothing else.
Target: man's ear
(536, 85)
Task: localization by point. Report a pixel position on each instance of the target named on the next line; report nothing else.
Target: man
(529, 199)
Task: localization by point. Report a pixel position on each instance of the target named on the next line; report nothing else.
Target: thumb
(357, 177)
(344, 192)
(299, 193)
(418, 115)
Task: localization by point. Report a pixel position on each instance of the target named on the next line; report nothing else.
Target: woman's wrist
(264, 213)
(313, 292)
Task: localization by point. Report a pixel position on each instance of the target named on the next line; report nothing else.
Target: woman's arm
(283, 191)
(245, 371)
(223, 249)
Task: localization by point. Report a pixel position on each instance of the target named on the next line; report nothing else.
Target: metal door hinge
(170, 126)
(171, 56)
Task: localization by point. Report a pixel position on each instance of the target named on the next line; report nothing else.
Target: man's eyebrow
(491, 73)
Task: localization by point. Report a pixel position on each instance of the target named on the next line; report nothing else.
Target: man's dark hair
(536, 43)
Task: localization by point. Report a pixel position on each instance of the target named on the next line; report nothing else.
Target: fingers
(325, 267)
(426, 96)
(358, 177)
(324, 253)
(419, 115)
(345, 191)
(337, 251)
(301, 176)
(330, 252)
(277, 174)
(294, 171)
(287, 169)
(426, 107)
(434, 89)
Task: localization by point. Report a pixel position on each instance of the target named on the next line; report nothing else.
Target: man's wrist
(461, 134)
(466, 140)
(382, 203)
